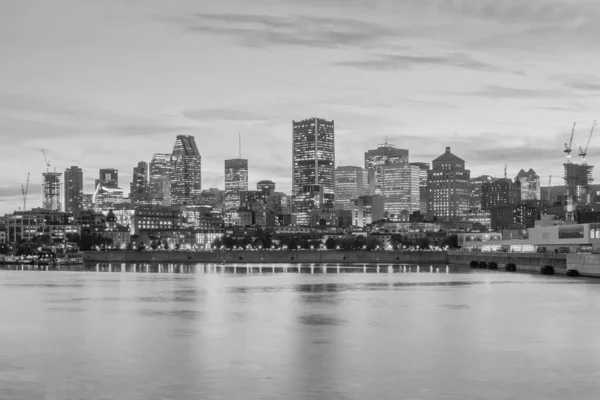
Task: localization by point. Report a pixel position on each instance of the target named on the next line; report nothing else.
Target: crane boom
(568, 147)
(24, 190)
(583, 152)
(45, 158)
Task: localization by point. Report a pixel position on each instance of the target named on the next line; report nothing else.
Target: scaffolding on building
(578, 178)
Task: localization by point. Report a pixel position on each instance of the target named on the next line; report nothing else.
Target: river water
(127, 335)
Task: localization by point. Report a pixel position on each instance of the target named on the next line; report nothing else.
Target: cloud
(495, 92)
(392, 62)
(255, 30)
(225, 114)
(584, 85)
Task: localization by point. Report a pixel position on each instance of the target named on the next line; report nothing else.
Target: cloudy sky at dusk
(108, 83)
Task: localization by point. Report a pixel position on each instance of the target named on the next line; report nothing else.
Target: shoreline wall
(271, 257)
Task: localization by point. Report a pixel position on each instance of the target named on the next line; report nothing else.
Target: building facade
(186, 171)
(313, 156)
(448, 183)
(108, 176)
(423, 190)
(366, 210)
(266, 186)
(500, 192)
(350, 183)
(73, 199)
(51, 191)
(400, 188)
(475, 190)
(139, 183)
(530, 185)
(236, 180)
(384, 154)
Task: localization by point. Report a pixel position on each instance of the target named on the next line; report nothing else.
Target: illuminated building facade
(108, 176)
(423, 191)
(106, 196)
(448, 183)
(475, 190)
(530, 185)
(577, 180)
(350, 183)
(400, 188)
(384, 154)
(313, 160)
(139, 182)
(236, 180)
(186, 171)
(499, 193)
(73, 199)
(51, 191)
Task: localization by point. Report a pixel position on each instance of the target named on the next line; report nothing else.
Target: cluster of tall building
(388, 185)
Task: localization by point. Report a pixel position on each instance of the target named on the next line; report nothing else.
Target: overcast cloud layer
(108, 83)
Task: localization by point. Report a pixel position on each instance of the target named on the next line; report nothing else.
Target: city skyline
(157, 71)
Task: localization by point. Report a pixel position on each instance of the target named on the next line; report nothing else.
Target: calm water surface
(481, 335)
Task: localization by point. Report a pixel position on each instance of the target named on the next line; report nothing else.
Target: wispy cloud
(255, 30)
(496, 92)
(392, 62)
(223, 114)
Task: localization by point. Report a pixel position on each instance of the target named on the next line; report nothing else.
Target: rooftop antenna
(505, 166)
(240, 144)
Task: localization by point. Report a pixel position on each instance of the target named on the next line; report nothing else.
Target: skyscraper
(423, 191)
(313, 159)
(73, 189)
(236, 180)
(500, 192)
(384, 154)
(475, 190)
(186, 172)
(448, 183)
(108, 176)
(139, 182)
(266, 186)
(51, 191)
(400, 188)
(350, 183)
(530, 185)
(160, 166)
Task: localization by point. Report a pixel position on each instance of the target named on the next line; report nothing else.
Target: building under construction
(578, 178)
(51, 191)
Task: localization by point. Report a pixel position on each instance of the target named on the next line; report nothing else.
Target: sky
(105, 84)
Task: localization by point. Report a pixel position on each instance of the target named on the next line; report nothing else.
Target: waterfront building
(350, 183)
(448, 183)
(530, 185)
(400, 188)
(366, 210)
(475, 190)
(313, 156)
(139, 183)
(73, 199)
(266, 186)
(51, 191)
(26, 225)
(236, 180)
(500, 192)
(482, 217)
(384, 154)
(423, 190)
(186, 171)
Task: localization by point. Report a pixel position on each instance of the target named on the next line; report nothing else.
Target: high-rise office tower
(500, 192)
(73, 189)
(139, 182)
(530, 185)
(266, 186)
(236, 180)
(448, 183)
(423, 191)
(384, 154)
(51, 191)
(400, 188)
(160, 166)
(350, 183)
(475, 190)
(108, 177)
(313, 160)
(186, 171)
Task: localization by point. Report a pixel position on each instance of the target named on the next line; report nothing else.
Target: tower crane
(568, 147)
(24, 190)
(583, 152)
(46, 160)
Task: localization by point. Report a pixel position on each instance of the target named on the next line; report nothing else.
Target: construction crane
(549, 181)
(24, 190)
(46, 160)
(583, 152)
(568, 147)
